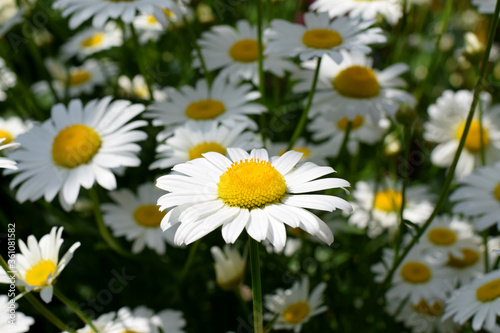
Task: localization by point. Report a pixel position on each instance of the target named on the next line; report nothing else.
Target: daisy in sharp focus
(479, 197)
(391, 10)
(92, 40)
(479, 300)
(446, 126)
(295, 306)
(137, 218)
(354, 87)
(21, 323)
(193, 139)
(235, 51)
(38, 264)
(229, 267)
(102, 10)
(247, 192)
(321, 36)
(78, 146)
(7, 163)
(224, 102)
(379, 210)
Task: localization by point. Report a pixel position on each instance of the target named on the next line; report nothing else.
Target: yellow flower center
(78, 77)
(306, 152)
(357, 82)
(470, 257)
(251, 184)
(205, 147)
(168, 13)
(141, 91)
(205, 109)
(321, 38)
(496, 191)
(93, 40)
(152, 19)
(442, 236)
(355, 123)
(388, 200)
(415, 272)
(7, 136)
(434, 310)
(473, 140)
(488, 292)
(75, 145)
(148, 216)
(296, 312)
(38, 274)
(245, 50)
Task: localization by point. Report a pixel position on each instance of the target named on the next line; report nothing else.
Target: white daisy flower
(6, 163)
(333, 127)
(170, 321)
(137, 218)
(11, 127)
(236, 52)
(310, 152)
(229, 267)
(227, 103)
(446, 125)
(152, 27)
(38, 264)
(247, 191)
(479, 196)
(92, 40)
(193, 139)
(7, 79)
(353, 87)
(21, 323)
(105, 324)
(144, 320)
(135, 88)
(103, 10)
(391, 10)
(10, 15)
(485, 6)
(378, 211)
(416, 278)
(480, 300)
(78, 146)
(321, 36)
(295, 306)
(423, 317)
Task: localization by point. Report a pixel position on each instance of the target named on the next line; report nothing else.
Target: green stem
(103, 230)
(198, 52)
(258, 325)
(189, 260)
(481, 134)
(486, 253)
(303, 117)
(269, 325)
(140, 60)
(451, 172)
(75, 309)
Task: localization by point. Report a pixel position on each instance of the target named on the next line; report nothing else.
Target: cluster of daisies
(218, 167)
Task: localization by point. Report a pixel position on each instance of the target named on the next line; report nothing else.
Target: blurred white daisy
(144, 320)
(446, 125)
(229, 267)
(20, 324)
(103, 10)
(10, 15)
(193, 139)
(236, 52)
(333, 126)
(310, 152)
(247, 191)
(224, 102)
(11, 127)
(7, 79)
(7, 163)
(378, 211)
(152, 27)
(391, 10)
(105, 324)
(78, 146)
(171, 321)
(354, 87)
(485, 6)
(416, 278)
(480, 300)
(295, 306)
(321, 36)
(92, 40)
(135, 88)
(38, 264)
(479, 197)
(137, 218)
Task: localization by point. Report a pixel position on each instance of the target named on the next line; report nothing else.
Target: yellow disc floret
(148, 216)
(205, 109)
(78, 77)
(205, 147)
(93, 40)
(388, 200)
(296, 312)
(75, 145)
(251, 184)
(355, 123)
(415, 272)
(473, 140)
(496, 191)
(470, 257)
(321, 38)
(442, 236)
(38, 274)
(7, 136)
(488, 292)
(245, 50)
(357, 82)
